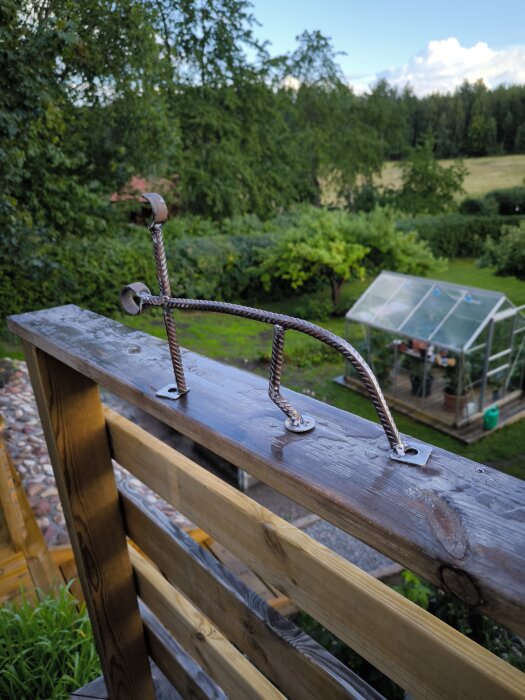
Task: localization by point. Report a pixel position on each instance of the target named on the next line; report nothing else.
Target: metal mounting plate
(307, 424)
(416, 453)
(169, 391)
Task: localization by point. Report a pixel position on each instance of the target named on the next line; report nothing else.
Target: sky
(432, 46)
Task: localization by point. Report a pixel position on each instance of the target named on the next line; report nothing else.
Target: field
(484, 174)
(310, 369)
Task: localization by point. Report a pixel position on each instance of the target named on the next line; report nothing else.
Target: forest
(95, 92)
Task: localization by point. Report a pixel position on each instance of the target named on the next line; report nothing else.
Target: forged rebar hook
(136, 297)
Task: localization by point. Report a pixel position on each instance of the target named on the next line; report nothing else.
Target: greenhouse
(449, 355)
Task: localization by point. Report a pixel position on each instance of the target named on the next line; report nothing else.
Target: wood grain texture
(200, 638)
(289, 658)
(74, 428)
(424, 655)
(459, 524)
(177, 665)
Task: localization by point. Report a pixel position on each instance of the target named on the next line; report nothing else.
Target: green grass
(310, 368)
(47, 650)
(484, 174)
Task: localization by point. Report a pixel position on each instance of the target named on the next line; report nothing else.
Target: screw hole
(480, 470)
(172, 390)
(411, 451)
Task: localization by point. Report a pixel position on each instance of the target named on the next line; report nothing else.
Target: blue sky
(383, 36)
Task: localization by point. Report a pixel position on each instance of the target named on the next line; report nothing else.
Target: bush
(37, 272)
(507, 254)
(480, 206)
(510, 201)
(505, 202)
(457, 235)
(46, 651)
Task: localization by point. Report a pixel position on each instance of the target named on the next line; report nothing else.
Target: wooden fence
(455, 522)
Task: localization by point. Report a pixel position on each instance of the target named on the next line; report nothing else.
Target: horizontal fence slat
(455, 522)
(177, 665)
(291, 659)
(228, 667)
(424, 655)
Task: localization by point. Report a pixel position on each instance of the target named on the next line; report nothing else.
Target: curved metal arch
(136, 297)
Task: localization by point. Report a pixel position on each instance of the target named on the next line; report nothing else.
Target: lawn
(484, 174)
(310, 368)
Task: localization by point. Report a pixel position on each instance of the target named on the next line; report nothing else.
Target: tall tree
(428, 187)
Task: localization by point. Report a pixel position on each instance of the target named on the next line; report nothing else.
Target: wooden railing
(455, 522)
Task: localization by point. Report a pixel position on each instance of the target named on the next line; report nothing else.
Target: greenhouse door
(504, 358)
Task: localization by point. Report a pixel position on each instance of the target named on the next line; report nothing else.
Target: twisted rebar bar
(135, 297)
(276, 368)
(160, 215)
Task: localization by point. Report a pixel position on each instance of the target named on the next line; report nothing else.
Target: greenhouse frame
(450, 355)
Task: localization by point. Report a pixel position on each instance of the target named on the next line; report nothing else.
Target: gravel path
(25, 442)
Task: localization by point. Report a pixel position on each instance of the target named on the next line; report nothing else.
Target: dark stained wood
(457, 523)
(96, 690)
(74, 427)
(184, 673)
(296, 664)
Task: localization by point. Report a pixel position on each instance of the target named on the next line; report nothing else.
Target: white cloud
(445, 64)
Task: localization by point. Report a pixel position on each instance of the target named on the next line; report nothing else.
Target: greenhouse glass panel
(432, 312)
(472, 309)
(389, 300)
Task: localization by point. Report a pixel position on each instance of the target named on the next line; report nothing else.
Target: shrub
(510, 201)
(507, 254)
(505, 202)
(456, 235)
(481, 206)
(46, 651)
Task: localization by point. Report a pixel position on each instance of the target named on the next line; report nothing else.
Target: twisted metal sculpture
(136, 297)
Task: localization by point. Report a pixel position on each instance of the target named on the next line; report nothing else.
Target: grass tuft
(46, 650)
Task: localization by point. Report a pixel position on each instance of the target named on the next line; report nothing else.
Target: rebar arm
(136, 297)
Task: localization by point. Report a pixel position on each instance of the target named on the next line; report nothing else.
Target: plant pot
(416, 382)
(451, 401)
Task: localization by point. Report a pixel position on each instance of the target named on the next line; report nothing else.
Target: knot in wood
(460, 584)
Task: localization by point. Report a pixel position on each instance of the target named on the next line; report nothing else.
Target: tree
(507, 253)
(334, 246)
(316, 251)
(427, 187)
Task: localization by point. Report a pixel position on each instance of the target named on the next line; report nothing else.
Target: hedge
(457, 235)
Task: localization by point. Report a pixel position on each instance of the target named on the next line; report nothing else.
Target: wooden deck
(431, 411)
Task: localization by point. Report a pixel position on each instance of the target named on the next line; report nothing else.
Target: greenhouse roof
(448, 315)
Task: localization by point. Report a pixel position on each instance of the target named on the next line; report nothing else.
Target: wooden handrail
(456, 522)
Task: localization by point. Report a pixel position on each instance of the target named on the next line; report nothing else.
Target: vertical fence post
(74, 427)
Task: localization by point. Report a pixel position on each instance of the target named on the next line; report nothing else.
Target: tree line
(94, 92)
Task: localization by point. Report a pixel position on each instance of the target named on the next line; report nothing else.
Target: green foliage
(468, 621)
(317, 250)
(428, 188)
(456, 235)
(506, 202)
(415, 589)
(510, 201)
(46, 651)
(334, 246)
(507, 252)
